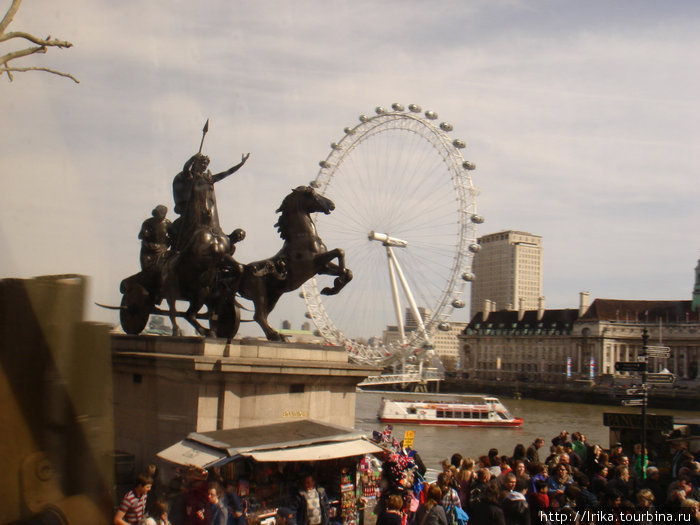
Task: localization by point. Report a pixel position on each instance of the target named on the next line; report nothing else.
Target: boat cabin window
(411, 410)
(502, 415)
(440, 413)
(467, 414)
(484, 415)
(448, 413)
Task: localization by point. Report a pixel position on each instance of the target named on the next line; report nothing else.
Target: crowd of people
(572, 481)
(204, 497)
(196, 499)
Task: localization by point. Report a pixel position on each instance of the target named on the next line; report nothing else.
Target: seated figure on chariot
(277, 267)
(229, 263)
(155, 237)
(235, 237)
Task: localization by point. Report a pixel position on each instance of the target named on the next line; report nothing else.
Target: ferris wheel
(406, 218)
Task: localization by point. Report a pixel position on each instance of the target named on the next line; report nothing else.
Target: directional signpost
(645, 346)
(660, 379)
(637, 396)
(659, 352)
(631, 366)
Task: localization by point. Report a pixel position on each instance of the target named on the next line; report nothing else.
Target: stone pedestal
(167, 387)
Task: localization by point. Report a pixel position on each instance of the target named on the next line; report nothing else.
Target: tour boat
(470, 411)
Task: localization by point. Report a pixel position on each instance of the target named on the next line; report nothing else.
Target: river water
(541, 419)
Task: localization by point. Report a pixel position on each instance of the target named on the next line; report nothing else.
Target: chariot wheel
(399, 180)
(136, 307)
(226, 319)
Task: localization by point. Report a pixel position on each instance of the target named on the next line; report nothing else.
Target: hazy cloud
(582, 119)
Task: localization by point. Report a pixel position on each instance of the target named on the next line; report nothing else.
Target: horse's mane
(290, 203)
(282, 223)
(283, 226)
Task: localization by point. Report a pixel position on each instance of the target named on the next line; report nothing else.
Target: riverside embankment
(682, 397)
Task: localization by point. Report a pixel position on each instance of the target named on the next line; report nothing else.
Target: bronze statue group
(191, 259)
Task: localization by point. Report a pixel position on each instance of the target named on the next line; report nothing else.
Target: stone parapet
(166, 387)
(243, 348)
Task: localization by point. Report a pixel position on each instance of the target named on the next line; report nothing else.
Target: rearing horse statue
(302, 256)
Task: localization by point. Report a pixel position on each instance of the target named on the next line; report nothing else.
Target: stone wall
(165, 387)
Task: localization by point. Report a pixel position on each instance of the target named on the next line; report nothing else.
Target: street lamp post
(645, 341)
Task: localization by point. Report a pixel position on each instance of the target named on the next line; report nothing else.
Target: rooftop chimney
(540, 308)
(487, 309)
(583, 303)
(521, 308)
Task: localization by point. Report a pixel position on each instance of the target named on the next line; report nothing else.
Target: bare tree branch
(40, 41)
(10, 70)
(7, 19)
(21, 53)
(42, 45)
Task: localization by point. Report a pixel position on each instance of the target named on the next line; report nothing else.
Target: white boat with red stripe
(469, 411)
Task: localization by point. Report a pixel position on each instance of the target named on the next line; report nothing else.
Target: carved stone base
(167, 387)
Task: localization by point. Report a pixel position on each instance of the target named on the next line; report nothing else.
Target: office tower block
(508, 270)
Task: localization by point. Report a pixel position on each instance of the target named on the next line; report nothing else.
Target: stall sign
(624, 420)
(408, 439)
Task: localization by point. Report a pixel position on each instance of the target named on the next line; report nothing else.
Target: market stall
(266, 463)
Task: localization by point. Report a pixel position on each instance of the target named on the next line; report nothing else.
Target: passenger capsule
(414, 108)
(324, 164)
(314, 184)
(364, 118)
(431, 115)
(397, 107)
(446, 126)
(349, 131)
(379, 110)
(301, 294)
(444, 327)
(336, 146)
(468, 276)
(477, 219)
(468, 165)
(459, 143)
(307, 315)
(458, 303)
(474, 248)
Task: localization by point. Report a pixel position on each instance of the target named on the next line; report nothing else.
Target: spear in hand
(204, 134)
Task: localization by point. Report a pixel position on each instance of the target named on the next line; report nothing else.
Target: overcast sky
(583, 119)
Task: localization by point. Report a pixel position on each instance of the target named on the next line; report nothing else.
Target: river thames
(541, 419)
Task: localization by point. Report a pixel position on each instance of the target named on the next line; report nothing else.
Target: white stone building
(611, 331)
(508, 272)
(554, 346)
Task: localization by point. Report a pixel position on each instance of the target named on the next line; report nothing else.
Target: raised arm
(224, 174)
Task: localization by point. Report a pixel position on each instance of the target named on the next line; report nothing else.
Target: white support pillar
(409, 295)
(395, 294)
